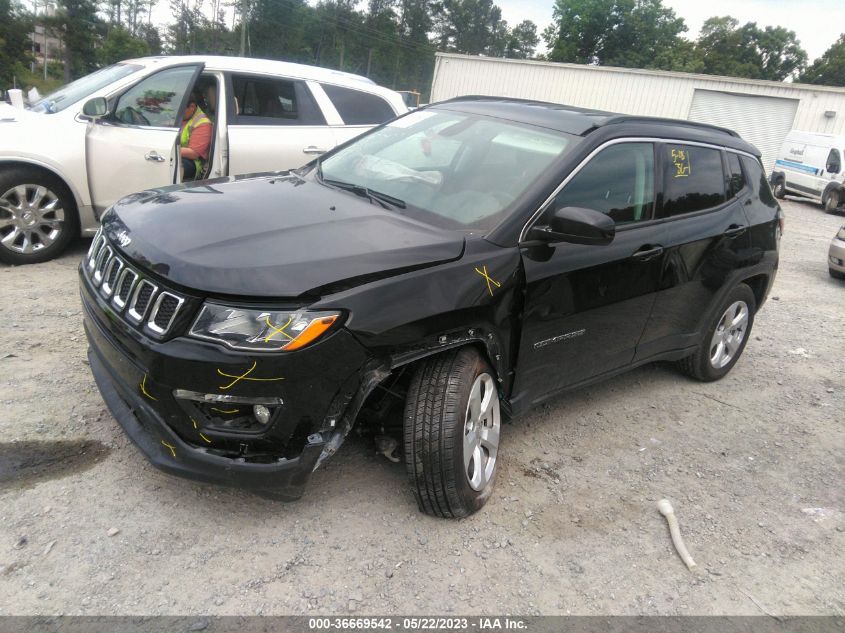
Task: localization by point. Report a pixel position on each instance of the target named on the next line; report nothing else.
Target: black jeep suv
(469, 260)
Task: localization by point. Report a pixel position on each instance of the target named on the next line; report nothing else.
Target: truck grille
(139, 300)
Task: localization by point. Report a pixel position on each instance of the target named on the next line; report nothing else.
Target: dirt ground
(755, 465)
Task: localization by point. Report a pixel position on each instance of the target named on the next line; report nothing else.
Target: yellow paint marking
(194, 422)
(277, 330)
(205, 438)
(171, 447)
(224, 410)
(144, 389)
(243, 376)
(490, 281)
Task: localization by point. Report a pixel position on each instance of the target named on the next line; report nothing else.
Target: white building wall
(627, 91)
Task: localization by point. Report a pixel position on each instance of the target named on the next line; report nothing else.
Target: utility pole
(369, 61)
(243, 26)
(340, 65)
(45, 41)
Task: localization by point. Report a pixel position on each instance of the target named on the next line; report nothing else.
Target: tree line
(394, 41)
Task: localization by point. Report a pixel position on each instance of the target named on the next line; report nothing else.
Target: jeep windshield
(450, 169)
(83, 87)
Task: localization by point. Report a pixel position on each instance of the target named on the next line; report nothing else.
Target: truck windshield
(450, 169)
(83, 87)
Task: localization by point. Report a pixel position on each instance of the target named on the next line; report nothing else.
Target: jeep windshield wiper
(385, 200)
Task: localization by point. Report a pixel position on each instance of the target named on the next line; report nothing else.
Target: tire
(711, 363)
(779, 189)
(830, 201)
(836, 274)
(440, 428)
(38, 216)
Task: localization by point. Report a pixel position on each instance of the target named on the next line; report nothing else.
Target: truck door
(135, 146)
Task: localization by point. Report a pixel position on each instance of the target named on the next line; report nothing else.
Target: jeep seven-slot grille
(140, 301)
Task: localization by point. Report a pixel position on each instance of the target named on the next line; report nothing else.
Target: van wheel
(779, 189)
(725, 338)
(452, 429)
(37, 216)
(830, 202)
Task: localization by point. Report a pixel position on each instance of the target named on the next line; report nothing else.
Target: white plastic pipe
(666, 510)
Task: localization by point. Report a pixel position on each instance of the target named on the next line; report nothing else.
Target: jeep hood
(271, 236)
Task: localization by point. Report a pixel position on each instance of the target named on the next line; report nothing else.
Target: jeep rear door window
(618, 181)
(272, 101)
(693, 179)
(156, 100)
(450, 169)
(358, 108)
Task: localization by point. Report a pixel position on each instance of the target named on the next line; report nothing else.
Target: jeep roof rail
(633, 118)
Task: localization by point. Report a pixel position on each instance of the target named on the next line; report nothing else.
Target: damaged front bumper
(144, 384)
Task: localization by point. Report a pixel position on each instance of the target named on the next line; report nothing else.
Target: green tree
(120, 44)
(15, 27)
(473, 27)
(522, 40)
(628, 33)
(78, 26)
(725, 48)
(829, 69)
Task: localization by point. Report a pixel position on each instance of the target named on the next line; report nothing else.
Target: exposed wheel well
(758, 285)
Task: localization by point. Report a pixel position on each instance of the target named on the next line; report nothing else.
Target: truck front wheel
(37, 216)
(452, 428)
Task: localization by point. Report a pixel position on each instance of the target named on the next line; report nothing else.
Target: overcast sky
(817, 23)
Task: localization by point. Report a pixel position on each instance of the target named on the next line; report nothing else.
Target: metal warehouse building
(761, 111)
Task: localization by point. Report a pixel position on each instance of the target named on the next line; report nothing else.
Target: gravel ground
(754, 465)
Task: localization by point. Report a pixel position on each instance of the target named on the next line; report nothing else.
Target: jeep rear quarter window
(693, 179)
(358, 108)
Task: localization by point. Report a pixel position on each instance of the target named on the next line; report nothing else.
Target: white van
(810, 165)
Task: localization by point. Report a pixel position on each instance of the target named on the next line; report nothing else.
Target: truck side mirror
(96, 108)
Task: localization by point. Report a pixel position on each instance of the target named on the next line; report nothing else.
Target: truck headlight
(261, 330)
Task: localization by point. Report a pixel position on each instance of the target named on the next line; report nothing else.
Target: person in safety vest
(194, 139)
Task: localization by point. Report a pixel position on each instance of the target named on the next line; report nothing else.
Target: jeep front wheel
(37, 216)
(452, 428)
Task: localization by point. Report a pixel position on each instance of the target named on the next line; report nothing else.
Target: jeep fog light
(261, 413)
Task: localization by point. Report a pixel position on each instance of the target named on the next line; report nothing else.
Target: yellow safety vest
(196, 120)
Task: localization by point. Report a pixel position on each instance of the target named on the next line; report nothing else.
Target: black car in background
(465, 262)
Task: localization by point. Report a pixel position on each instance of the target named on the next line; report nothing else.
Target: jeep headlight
(266, 330)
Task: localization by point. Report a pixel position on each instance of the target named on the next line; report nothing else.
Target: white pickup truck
(80, 149)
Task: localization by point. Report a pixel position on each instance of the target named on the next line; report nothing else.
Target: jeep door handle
(648, 252)
(154, 156)
(313, 149)
(735, 230)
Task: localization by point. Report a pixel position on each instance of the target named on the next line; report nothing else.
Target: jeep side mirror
(576, 225)
(96, 108)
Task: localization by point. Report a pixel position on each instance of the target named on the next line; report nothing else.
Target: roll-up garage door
(762, 121)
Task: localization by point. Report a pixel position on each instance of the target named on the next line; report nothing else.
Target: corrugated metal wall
(646, 92)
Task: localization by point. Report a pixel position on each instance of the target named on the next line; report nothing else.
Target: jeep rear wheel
(452, 429)
(37, 216)
(725, 338)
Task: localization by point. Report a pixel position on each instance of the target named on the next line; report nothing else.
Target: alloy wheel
(31, 218)
(729, 334)
(481, 432)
